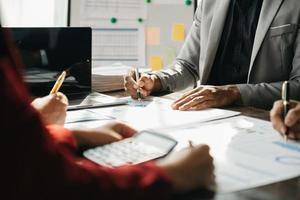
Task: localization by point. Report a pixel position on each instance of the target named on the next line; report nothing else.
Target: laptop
(48, 51)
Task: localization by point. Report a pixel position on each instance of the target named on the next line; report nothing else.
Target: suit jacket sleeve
(184, 72)
(38, 164)
(263, 95)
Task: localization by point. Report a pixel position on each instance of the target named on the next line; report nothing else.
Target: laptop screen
(47, 52)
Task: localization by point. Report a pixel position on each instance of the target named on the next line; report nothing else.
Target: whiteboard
(159, 14)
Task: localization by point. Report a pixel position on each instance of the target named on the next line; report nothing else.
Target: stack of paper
(109, 78)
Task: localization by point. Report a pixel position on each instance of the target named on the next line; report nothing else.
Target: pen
(58, 83)
(191, 144)
(138, 91)
(286, 103)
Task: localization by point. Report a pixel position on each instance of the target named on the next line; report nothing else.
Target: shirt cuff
(62, 136)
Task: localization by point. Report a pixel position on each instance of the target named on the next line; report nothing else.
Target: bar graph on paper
(118, 45)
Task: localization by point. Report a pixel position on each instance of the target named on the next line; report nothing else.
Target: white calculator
(144, 146)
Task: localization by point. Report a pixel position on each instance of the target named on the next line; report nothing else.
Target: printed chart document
(124, 45)
(248, 152)
(157, 113)
(124, 9)
(118, 37)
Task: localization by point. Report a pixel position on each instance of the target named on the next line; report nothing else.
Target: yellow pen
(58, 83)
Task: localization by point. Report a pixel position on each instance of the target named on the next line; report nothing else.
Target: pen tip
(285, 138)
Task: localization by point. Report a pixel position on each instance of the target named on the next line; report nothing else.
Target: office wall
(161, 26)
(167, 17)
(34, 13)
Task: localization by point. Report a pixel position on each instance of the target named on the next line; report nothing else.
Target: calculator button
(125, 152)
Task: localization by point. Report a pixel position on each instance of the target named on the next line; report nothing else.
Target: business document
(157, 113)
(247, 152)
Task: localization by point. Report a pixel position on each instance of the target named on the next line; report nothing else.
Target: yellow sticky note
(178, 32)
(153, 36)
(156, 63)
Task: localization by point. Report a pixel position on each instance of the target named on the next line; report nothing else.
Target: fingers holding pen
(293, 116)
(291, 122)
(144, 83)
(130, 83)
(276, 116)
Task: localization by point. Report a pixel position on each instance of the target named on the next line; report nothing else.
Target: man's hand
(53, 108)
(207, 97)
(291, 121)
(106, 134)
(190, 169)
(147, 84)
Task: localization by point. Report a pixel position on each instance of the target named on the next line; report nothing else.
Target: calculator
(142, 147)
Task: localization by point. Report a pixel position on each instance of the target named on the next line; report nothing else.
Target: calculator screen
(157, 140)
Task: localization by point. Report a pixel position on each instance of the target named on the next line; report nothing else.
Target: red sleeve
(62, 136)
(36, 164)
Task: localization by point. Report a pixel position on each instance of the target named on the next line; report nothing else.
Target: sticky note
(152, 36)
(178, 32)
(156, 63)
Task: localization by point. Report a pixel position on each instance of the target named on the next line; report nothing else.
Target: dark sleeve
(37, 164)
(184, 72)
(263, 95)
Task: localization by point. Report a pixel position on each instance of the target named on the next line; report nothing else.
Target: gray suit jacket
(275, 56)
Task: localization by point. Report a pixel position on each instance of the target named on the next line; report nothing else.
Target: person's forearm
(176, 78)
(263, 95)
(157, 83)
(91, 137)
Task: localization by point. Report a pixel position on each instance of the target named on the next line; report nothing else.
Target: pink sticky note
(153, 36)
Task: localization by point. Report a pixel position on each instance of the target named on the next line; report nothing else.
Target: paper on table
(115, 70)
(112, 70)
(158, 113)
(88, 124)
(248, 152)
(84, 116)
(110, 78)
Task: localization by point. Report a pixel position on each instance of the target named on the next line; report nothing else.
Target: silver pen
(138, 91)
(286, 103)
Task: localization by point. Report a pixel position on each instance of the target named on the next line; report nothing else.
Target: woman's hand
(111, 132)
(53, 108)
(190, 169)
